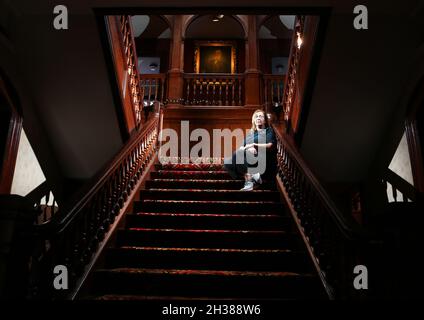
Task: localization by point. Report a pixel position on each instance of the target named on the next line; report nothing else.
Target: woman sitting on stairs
(256, 158)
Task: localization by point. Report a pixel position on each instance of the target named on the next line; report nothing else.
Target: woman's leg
(233, 167)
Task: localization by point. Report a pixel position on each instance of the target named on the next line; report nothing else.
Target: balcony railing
(273, 86)
(214, 89)
(152, 88)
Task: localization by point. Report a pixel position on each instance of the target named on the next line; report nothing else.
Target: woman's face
(259, 119)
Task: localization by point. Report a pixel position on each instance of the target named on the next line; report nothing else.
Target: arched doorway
(214, 30)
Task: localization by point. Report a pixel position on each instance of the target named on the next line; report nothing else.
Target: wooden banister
(75, 232)
(335, 241)
(399, 185)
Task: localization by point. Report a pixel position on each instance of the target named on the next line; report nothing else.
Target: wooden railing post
(175, 74)
(252, 96)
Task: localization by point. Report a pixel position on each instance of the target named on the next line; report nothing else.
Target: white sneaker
(257, 178)
(248, 186)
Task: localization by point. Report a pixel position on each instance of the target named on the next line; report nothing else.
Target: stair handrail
(61, 221)
(44, 200)
(72, 236)
(398, 184)
(335, 241)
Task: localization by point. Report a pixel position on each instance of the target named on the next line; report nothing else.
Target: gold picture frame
(215, 57)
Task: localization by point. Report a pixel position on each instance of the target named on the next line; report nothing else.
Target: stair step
(171, 282)
(195, 184)
(209, 194)
(205, 221)
(184, 174)
(206, 258)
(195, 235)
(190, 166)
(203, 184)
(193, 238)
(191, 206)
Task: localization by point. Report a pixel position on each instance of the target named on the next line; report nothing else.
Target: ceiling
(276, 28)
(203, 27)
(156, 27)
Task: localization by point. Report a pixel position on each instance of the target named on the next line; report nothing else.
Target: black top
(265, 136)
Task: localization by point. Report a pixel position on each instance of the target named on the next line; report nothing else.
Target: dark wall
(155, 48)
(269, 48)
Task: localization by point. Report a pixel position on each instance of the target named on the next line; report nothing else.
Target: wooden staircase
(194, 235)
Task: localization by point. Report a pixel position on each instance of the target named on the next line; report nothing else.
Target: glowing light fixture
(299, 40)
(217, 17)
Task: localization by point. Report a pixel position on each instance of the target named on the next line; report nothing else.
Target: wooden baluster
(213, 94)
(226, 92)
(188, 91)
(201, 100)
(233, 103)
(220, 93)
(194, 92)
(239, 91)
(142, 91)
(150, 91)
(394, 192)
(279, 92)
(207, 92)
(156, 89)
(162, 89)
(46, 206)
(266, 93)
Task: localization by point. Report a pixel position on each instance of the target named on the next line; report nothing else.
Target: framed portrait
(215, 57)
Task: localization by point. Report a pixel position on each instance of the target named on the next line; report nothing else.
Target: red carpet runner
(194, 235)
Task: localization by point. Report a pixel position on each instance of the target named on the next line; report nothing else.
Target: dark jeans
(246, 161)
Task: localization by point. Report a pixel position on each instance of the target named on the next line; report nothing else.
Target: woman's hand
(252, 150)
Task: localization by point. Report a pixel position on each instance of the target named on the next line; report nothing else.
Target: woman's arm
(259, 145)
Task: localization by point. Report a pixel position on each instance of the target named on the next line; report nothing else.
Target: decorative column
(175, 74)
(252, 73)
